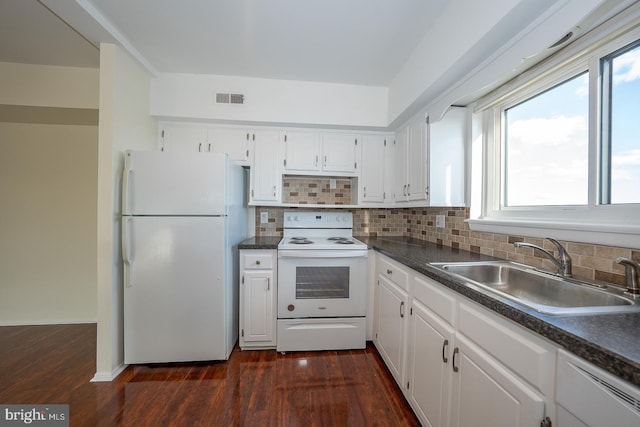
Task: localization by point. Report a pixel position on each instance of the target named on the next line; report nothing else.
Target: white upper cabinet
(237, 143)
(301, 151)
(375, 169)
(178, 137)
(340, 153)
(447, 158)
(410, 174)
(266, 170)
(315, 153)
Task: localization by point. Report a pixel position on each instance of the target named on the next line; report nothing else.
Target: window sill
(627, 236)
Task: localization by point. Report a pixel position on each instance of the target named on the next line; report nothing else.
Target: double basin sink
(543, 292)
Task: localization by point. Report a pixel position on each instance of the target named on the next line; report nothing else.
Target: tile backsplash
(595, 262)
(305, 190)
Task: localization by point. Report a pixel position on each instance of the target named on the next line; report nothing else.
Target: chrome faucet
(632, 273)
(562, 261)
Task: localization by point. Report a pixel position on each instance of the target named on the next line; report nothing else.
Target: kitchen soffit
(357, 42)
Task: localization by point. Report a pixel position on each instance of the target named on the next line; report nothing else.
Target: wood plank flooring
(54, 364)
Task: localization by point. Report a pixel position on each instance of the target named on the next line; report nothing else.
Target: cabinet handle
(445, 344)
(316, 160)
(401, 308)
(268, 283)
(258, 262)
(325, 161)
(209, 149)
(453, 364)
(253, 138)
(389, 271)
(404, 190)
(408, 189)
(200, 147)
(274, 190)
(247, 136)
(364, 191)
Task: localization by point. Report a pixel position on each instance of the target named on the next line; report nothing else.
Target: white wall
(48, 86)
(125, 123)
(48, 184)
(47, 223)
(268, 101)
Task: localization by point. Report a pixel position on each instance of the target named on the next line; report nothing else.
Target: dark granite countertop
(260, 243)
(609, 341)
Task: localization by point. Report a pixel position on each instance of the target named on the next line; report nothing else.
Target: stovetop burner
(345, 242)
(338, 238)
(300, 241)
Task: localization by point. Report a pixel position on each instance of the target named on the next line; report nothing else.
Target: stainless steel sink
(543, 292)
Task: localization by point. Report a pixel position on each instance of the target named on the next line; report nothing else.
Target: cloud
(557, 130)
(626, 67)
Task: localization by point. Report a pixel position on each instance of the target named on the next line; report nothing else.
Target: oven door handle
(357, 253)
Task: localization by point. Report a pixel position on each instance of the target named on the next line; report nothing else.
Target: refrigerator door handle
(126, 177)
(126, 252)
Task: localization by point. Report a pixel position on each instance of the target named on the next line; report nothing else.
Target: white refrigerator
(183, 215)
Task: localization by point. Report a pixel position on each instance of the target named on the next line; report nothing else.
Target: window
(561, 152)
(546, 146)
(620, 130)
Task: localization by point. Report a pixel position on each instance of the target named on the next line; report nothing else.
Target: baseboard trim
(46, 322)
(108, 376)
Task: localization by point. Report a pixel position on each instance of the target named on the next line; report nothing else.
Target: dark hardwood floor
(54, 364)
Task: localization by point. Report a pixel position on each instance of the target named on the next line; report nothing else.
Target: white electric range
(322, 283)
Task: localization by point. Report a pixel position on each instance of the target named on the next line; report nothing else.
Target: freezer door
(174, 183)
(176, 292)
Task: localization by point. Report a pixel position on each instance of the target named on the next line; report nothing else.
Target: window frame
(617, 225)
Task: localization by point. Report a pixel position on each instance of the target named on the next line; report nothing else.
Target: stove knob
(297, 218)
(289, 218)
(337, 219)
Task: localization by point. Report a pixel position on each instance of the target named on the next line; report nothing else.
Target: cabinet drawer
(261, 260)
(394, 272)
(431, 294)
(525, 354)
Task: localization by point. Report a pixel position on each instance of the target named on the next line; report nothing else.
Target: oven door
(322, 283)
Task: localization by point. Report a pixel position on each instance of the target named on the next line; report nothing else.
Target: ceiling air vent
(229, 98)
(562, 40)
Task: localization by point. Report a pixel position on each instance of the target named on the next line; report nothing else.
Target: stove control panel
(318, 220)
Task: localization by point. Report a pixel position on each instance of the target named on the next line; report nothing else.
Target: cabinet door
(372, 177)
(266, 179)
(184, 138)
(417, 161)
(339, 152)
(391, 335)
(235, 142)
(302, 151)
(400, 164)
(258, 294)
(430, 344)
(446, 141)
(486, 394)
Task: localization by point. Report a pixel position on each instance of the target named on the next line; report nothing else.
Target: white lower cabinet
(429, 366)
(487, 394)
(465, 365)
(258, 290)
(390, 335)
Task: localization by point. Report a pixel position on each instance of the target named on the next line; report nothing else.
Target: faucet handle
(631, 271)
(562, 252)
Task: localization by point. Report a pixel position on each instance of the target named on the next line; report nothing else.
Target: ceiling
(31, 34)
(358, 41)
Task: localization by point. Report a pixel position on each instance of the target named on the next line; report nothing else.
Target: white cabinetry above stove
(420, 165)
(321, 153)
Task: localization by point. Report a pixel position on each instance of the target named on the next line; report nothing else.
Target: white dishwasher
(589, 396)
